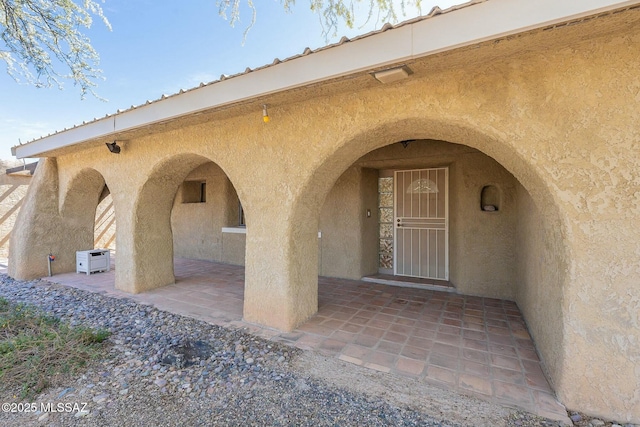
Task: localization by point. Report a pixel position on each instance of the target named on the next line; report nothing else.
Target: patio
(476, 346)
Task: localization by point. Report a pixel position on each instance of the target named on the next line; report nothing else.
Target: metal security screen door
(421, 223)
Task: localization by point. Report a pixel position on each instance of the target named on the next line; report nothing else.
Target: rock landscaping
(162, 369)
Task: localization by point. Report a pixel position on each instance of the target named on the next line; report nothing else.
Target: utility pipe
(50, 259)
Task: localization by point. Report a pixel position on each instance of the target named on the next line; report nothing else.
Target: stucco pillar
(603, 320)
(41, 230)
(34, 234)
(145, 246)
(281, 271)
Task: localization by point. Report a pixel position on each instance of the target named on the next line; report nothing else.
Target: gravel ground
(162, 369)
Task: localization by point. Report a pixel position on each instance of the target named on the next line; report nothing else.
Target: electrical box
(93, 261)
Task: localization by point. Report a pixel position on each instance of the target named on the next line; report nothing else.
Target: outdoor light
(406, 142)
(113, 147)
(265, 114)
(391, 75)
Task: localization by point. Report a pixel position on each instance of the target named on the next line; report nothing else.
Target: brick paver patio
(477, 346)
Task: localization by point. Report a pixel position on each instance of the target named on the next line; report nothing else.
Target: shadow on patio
(477, 346)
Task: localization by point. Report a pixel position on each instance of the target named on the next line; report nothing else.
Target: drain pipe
(50, 259)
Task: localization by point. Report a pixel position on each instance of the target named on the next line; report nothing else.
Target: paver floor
(477, 346)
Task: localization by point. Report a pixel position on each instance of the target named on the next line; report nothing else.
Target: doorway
(421, 223)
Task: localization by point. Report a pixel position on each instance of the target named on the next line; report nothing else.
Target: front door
(421, 223)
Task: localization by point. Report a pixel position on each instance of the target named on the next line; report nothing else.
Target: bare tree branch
(330, 12)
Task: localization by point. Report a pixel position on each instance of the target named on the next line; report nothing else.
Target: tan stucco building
(495, 147)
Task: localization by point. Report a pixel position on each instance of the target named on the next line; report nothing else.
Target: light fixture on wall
(406, 142)
(113, 147)
(265, 114)
(391, 75)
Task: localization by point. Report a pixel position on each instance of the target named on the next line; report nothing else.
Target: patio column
(602, 318)
(144, 244)
(281, 272)
(30, 241)
(41, 230)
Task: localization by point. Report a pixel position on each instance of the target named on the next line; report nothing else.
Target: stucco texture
(557, 110)
(197, 223)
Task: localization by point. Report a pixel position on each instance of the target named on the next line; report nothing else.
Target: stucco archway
(80, 197)
(472, 250)
(543, 257)
(149, 251)
(58, 219)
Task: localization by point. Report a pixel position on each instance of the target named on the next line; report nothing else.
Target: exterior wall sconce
(392, 75)
(265, 114)
(113, 147)
(406, 142)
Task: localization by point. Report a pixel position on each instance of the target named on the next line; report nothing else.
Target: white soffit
(462, 27)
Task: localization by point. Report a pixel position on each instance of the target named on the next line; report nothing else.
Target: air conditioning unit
(93, 260)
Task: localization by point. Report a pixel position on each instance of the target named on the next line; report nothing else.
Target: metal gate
(421, 223)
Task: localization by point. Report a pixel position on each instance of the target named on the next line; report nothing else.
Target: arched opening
(84, 206)
(207, 218)
(188, 231)
(409, 212)
(514, 253)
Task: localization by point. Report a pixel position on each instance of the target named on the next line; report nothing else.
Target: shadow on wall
(14, 182)
(105, 228)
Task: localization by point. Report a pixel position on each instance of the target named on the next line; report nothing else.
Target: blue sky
(160, 47)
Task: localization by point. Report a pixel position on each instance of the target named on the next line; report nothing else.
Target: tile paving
(473, 345)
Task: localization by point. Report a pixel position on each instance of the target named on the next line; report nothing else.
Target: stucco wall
(13, 189)
(484, 258)
(233, 248)
(481, 244)
(349, 244)
(370, 228)
(558, 109)
(197, 227)
(539, 280)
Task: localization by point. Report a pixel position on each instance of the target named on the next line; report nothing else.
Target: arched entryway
(511, 250)
(58, 219)
(81, 194)
(207, 218)
(419, 212)
(187, 209)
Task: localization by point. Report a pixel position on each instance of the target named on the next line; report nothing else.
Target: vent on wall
(490, 199)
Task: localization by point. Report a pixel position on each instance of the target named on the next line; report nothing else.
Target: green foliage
(35, 348)
(41, 41)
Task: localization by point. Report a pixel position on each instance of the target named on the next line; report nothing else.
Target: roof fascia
(463, 27)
